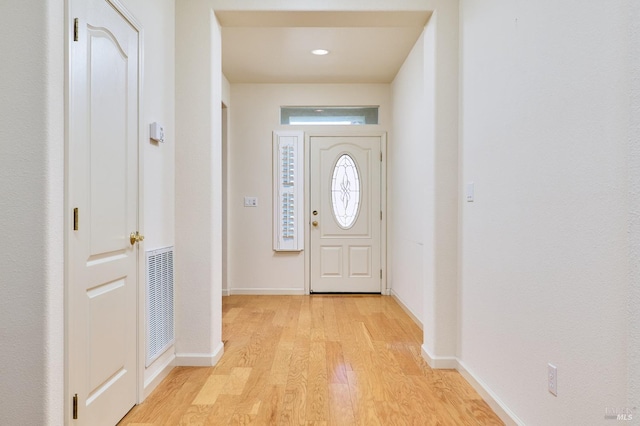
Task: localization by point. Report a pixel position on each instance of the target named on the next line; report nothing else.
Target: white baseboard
(439, 362)
(267, 291)
(496, 404)
(200, 360)
(154, 380)
(225, 292)
(405, 308)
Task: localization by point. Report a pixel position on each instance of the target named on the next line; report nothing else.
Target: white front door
(102, 186)
(346, 205)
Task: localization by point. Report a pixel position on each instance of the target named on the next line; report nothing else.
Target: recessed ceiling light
(320, 52)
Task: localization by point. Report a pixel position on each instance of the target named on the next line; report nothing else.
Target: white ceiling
(275, 47)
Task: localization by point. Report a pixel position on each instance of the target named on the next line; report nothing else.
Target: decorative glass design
(345, 191)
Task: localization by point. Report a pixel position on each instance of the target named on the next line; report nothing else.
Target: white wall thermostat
(156, 132)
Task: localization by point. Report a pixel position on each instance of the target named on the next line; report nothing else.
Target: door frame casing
(68, 213)
(384, 290)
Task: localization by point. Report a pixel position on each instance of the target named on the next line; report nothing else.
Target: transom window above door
(328, 116)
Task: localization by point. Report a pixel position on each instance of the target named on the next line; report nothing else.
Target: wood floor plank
(281, 308)
(237, 379)
(364, 405)
(317, 319)
(270, 408)
(363, 335)
(303, 331)
(293, 314)
(280, 367)
(233, 353)
(230, 315)
(340, 404)
(404, 358)
(211, 390)
(336, 368)
(222, 411)
(171, 399)
(315, 360)
(195, 415)
(331, 330)
(295, 397)
(317, 408)
(392, 413)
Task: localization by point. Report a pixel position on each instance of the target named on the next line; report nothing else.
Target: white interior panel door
(345, 179)
(103, 187)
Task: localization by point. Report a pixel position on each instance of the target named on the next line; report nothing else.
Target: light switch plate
(470, 192)
(251, 201)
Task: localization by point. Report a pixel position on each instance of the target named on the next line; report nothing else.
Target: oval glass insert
(345, 191)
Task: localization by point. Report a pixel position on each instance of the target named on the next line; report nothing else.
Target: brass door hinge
(380, 273)
(75, 29)
(75, 407)
(75, 219)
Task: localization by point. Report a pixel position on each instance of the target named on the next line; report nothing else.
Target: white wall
(423, 181)
(198, 185)
(253, 265)
(226, 91)
(441, 310)
(545, 267)
(633, 346)
(226, 100)
(411, 184)
(157, 20)
(158, 104)
(31, 212)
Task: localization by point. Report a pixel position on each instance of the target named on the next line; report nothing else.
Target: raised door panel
(108, 141)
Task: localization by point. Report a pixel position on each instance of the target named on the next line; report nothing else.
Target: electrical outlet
(552, 379)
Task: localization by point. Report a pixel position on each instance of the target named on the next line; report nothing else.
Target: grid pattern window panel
(288, 165)
(287, 191)
(288, 216)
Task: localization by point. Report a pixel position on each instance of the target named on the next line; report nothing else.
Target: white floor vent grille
(160, 331)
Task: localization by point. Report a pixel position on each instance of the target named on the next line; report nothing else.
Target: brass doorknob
(314, 223)
(135, 237)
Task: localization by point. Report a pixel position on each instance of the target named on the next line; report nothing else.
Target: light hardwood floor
(315, 360)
